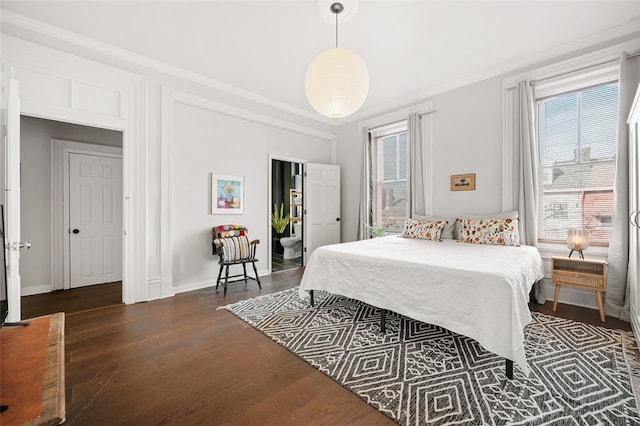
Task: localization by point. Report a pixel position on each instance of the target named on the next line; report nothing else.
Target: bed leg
(311, 297)
(383, 320)
(509, 369)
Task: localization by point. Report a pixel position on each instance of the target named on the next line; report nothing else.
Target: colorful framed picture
(466, 182)
(227, 194)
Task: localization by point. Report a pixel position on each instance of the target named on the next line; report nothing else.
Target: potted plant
(279, 221)
(376, 231)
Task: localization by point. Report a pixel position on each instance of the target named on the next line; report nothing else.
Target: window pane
(578, 137)
(389, 159)
(599, 122)
(394, 207)
(561, 127)
(391, 195)
(403, 156)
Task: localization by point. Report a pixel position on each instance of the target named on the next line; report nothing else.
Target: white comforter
(480, 291)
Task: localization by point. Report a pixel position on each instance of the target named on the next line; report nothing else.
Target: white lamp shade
(578, 239)
(337, 82)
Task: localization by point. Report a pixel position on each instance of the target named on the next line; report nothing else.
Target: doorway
(57, 173)
(286, 215)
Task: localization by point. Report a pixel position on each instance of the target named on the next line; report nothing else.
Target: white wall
(467, 138)
(206, 142)
(35, 194)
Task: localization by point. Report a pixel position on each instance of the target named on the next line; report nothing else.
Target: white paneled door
(322, 206)
(95, 219)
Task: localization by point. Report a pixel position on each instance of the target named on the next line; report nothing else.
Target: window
(390, 200)
(577, 134)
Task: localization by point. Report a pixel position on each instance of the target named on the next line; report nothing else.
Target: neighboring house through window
(577, 135)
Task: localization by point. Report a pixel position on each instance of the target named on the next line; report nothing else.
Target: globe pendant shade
(337, 82)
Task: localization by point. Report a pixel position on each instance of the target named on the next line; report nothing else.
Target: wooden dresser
(32, 372)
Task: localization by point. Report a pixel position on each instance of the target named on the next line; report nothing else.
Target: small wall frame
(465, 182)
(227, 194)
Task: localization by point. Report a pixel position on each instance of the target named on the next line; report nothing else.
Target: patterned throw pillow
(236, 248)
(489, 231)
(425, 230)
(230, 230)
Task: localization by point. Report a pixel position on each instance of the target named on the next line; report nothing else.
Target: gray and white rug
(418, 373)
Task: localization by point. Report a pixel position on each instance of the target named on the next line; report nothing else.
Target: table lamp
(578, 240)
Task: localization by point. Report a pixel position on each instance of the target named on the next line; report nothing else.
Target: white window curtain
(617, 296)
(417, 205)
(526, 173)
(366, 187)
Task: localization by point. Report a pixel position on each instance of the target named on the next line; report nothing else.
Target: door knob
(337, 219)
(76, 231)
(17, 245)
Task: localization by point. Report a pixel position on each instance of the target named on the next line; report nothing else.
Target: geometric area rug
(418, 373)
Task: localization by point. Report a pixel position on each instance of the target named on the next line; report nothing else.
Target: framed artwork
(227, 194)
(466, 182)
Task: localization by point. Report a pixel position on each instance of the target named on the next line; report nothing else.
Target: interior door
(322, 206)
(95, 219)
(12, 200)
(634, 213)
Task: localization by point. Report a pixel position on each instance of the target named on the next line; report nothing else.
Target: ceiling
(413, 49)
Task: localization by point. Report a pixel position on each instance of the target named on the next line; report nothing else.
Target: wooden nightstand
(585, 273)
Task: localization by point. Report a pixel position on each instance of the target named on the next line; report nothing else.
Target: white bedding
(480, 291)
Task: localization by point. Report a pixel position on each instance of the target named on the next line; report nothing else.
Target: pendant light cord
(336, 8)
(336, 29)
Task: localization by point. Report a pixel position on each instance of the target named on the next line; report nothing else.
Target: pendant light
(337, 80)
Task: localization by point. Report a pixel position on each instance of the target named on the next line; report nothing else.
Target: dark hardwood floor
(181, 361)
(72, 301)
(577, 313)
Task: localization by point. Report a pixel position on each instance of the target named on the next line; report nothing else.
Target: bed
(478, 290)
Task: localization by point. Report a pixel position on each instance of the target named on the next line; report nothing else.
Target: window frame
(384, 122)
(598, 62)
(547, 92)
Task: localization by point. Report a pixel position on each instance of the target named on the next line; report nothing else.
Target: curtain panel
(526, 170)
(365, 207)
(417, 199)
(617, 295)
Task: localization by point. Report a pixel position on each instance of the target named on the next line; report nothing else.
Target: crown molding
(60, 34)
(189, 99)
(57, 33)
(501, 70)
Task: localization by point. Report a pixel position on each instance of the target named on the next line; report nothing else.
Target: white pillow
(447, 232)
(511, 214)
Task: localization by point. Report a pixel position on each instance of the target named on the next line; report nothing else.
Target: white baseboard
(35, 289)
(194, 286)
(204, 284)
(154, 288)
(571, 295)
